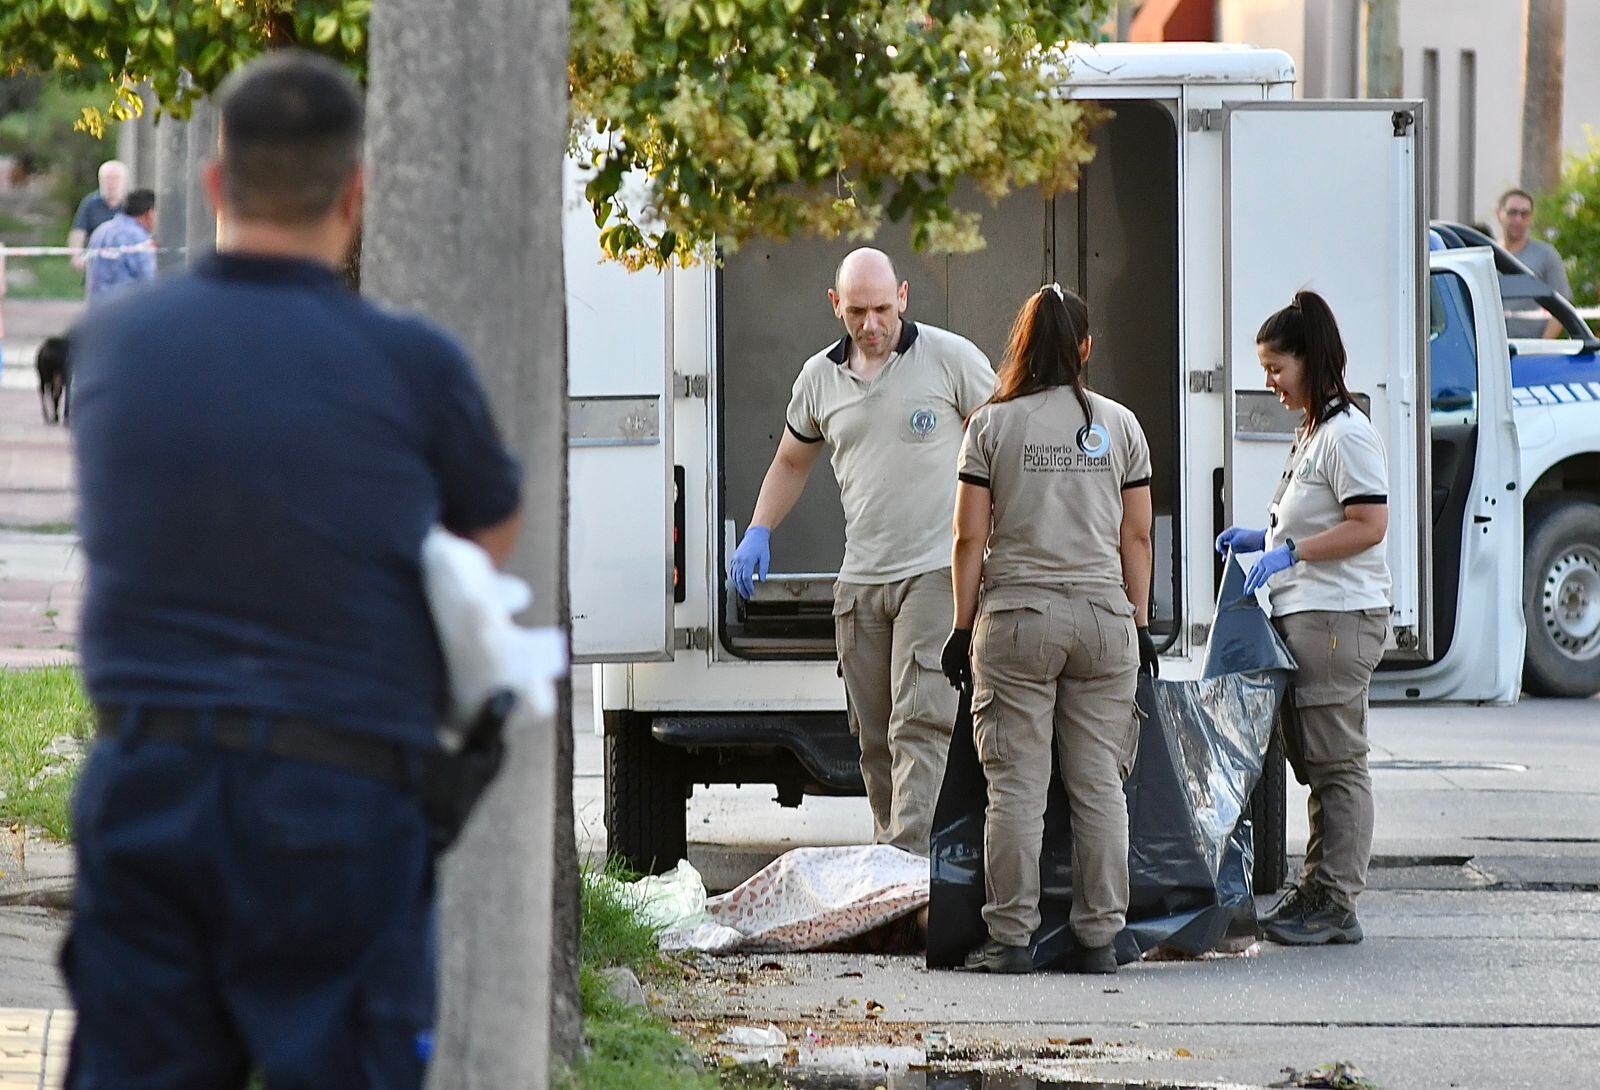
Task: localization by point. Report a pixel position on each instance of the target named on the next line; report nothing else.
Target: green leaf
(324, 29)
(351, 35)
(210, 55)
(74, 9)
(145, 10)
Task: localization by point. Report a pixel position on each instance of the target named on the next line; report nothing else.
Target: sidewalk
(41, 571)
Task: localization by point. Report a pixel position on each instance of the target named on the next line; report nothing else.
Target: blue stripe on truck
(1555, 370)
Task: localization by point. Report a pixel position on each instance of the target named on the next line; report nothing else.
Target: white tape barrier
(1586, 313)
(104, 251)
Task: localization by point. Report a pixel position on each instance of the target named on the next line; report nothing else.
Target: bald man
(890, 400)
(97, 208)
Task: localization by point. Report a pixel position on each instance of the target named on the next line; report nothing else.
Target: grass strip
(632, 1047)
(45, 725)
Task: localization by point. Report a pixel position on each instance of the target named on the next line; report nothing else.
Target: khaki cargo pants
(1324, 725)
(1056, 665)
(902, 709)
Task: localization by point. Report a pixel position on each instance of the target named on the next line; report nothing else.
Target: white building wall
(1476, 142)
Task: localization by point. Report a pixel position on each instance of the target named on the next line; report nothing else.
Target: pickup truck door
(1476, 509)
(619, 448)
(1328, 196)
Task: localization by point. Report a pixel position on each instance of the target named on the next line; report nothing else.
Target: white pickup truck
(1213, 196)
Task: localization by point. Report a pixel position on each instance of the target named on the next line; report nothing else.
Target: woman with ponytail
(1053, 522)
(1324, 570)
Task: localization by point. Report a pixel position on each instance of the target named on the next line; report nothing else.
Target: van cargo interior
(1114, 241)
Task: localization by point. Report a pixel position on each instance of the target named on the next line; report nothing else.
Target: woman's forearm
(966, 572)
(1356, 534)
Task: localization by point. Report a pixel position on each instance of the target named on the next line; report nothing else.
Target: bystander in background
(122, 250)
(1515, 212)
(98, 207)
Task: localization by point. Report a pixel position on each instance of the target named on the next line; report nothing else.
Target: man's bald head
(113, 178)
(869, 299)
(864, 262)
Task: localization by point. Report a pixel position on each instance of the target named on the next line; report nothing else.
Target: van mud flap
(1201, 750)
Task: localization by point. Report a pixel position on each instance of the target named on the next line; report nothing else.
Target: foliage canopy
(745, 117)
(181, 48)
(1569, 218)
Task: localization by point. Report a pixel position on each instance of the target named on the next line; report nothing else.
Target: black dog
(55, 375)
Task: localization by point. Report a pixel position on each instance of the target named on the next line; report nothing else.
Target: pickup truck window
(1452, 352)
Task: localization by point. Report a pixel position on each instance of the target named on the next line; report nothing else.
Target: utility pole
(467, 120)
(1543, 86)
(1383, 49)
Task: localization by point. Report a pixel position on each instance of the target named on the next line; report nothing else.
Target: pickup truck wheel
(645, 799)
(1268, 821)
(1561, 599)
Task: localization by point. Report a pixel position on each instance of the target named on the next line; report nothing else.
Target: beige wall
(1324, 37)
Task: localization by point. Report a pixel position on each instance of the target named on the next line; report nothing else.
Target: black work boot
(996, 957)
(1096, 960)
(1289, 906)
(1321, 920)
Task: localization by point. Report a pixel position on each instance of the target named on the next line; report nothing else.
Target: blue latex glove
(751, 559)
(1270, 564)
(1241, 540)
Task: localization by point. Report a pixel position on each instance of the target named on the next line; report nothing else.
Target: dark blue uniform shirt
(260, 453)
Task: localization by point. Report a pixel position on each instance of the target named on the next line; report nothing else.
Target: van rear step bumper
(821, 741)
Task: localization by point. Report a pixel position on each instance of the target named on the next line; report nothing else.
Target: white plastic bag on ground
(666, 901)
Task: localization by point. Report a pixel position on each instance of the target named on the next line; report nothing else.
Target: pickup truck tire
(646, 828)
(1561, 598)
(1269, 820)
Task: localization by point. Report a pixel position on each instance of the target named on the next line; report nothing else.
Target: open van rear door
(1327, 196)
(619, 436)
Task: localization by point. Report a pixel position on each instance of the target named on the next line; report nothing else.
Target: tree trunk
(172, 192)
(201, 233)
(1543, 84)
(1383, 49)
(466, 137)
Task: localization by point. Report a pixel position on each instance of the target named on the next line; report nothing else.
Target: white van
(1213, 196)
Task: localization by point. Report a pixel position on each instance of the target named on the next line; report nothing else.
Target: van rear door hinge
(1205, 382)
(1205, 120)
(689, 385)
(1403, 120)
(691, 639)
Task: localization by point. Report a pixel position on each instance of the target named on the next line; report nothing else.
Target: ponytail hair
(1306, 330)
(1045, 347)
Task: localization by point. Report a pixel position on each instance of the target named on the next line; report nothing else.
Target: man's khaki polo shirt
(1056, 482)
(894, 443)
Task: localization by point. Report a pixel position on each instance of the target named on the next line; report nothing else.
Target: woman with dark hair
(1053, 520)
(1328, 583)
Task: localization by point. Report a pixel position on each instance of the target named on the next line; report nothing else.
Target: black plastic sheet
(1201, 749)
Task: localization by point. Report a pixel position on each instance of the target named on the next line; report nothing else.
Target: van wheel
(1561, 599)
(1269, 820)
(645, 800)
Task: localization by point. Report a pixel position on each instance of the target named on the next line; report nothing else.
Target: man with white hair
(890, 399)
(97, 208)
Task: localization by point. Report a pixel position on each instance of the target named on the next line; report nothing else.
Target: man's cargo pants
(902, 709)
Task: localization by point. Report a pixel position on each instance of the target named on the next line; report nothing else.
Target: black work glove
(956, 659)
(1149, 661)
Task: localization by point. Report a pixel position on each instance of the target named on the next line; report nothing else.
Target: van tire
(646, 829)
(1562, 547)
(1269, 813)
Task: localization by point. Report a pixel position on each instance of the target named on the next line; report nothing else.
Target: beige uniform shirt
(1340, 464)
(894, 443)
(1056, 482)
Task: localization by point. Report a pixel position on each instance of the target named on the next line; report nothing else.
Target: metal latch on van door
(691, 639)
(1205, 382)
(689, 385)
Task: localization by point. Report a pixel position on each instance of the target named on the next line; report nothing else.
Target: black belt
(276, 736)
